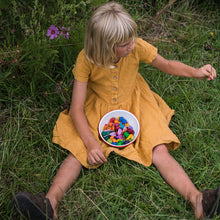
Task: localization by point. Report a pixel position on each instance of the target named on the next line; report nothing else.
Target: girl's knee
(72, 159)
(71, 156)
(158, 151)
(160, 148)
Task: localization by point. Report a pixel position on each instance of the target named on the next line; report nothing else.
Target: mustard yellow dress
(121, 87)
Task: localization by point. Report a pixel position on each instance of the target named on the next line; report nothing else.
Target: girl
(106, 78)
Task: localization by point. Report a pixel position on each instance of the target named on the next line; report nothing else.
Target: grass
(120, 189)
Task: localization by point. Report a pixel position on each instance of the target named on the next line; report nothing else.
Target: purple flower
(64, 32)
(45, 94)
(52, 32)
(66, 104)
(64, 91)
(58, 88)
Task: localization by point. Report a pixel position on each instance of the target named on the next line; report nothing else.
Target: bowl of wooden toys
(119, 128)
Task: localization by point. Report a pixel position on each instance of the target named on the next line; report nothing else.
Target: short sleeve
(81, 71)
(147, 52)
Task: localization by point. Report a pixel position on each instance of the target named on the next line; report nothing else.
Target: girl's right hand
(95, 154)
(94, 150)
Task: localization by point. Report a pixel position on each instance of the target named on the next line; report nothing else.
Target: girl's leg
(176, 177)
(66, 175)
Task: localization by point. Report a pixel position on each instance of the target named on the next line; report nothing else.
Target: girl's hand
(94, 149)
(95, 154)
(206, 71)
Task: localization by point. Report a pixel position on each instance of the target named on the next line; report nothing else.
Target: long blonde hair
(109, 25)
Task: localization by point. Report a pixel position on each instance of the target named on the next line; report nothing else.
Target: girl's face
(123, 49)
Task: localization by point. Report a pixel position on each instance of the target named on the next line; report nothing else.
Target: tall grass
(36, 84)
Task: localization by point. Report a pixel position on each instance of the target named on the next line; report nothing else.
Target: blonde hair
(109, 25)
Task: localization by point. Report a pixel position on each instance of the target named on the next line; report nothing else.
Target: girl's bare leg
(66, 175)
(176, 177)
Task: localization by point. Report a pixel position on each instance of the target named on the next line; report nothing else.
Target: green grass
(120, 189)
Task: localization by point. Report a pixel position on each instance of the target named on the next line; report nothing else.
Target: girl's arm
(180, 69)
(94, 150)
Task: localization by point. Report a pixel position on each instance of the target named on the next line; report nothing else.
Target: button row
(115, 88)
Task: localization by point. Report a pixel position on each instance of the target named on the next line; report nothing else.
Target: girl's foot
(34, 207)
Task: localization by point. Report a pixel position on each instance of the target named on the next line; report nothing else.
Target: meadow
(36, 83)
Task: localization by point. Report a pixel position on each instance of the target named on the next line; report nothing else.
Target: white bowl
(131, 119)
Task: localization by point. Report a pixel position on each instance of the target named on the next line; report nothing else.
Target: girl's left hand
(206, 72)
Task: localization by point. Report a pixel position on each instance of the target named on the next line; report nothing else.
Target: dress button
(115, 77)
(115, 88)
(114, 99)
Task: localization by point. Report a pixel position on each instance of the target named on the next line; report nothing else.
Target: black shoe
(33, 207)
(211, 202)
